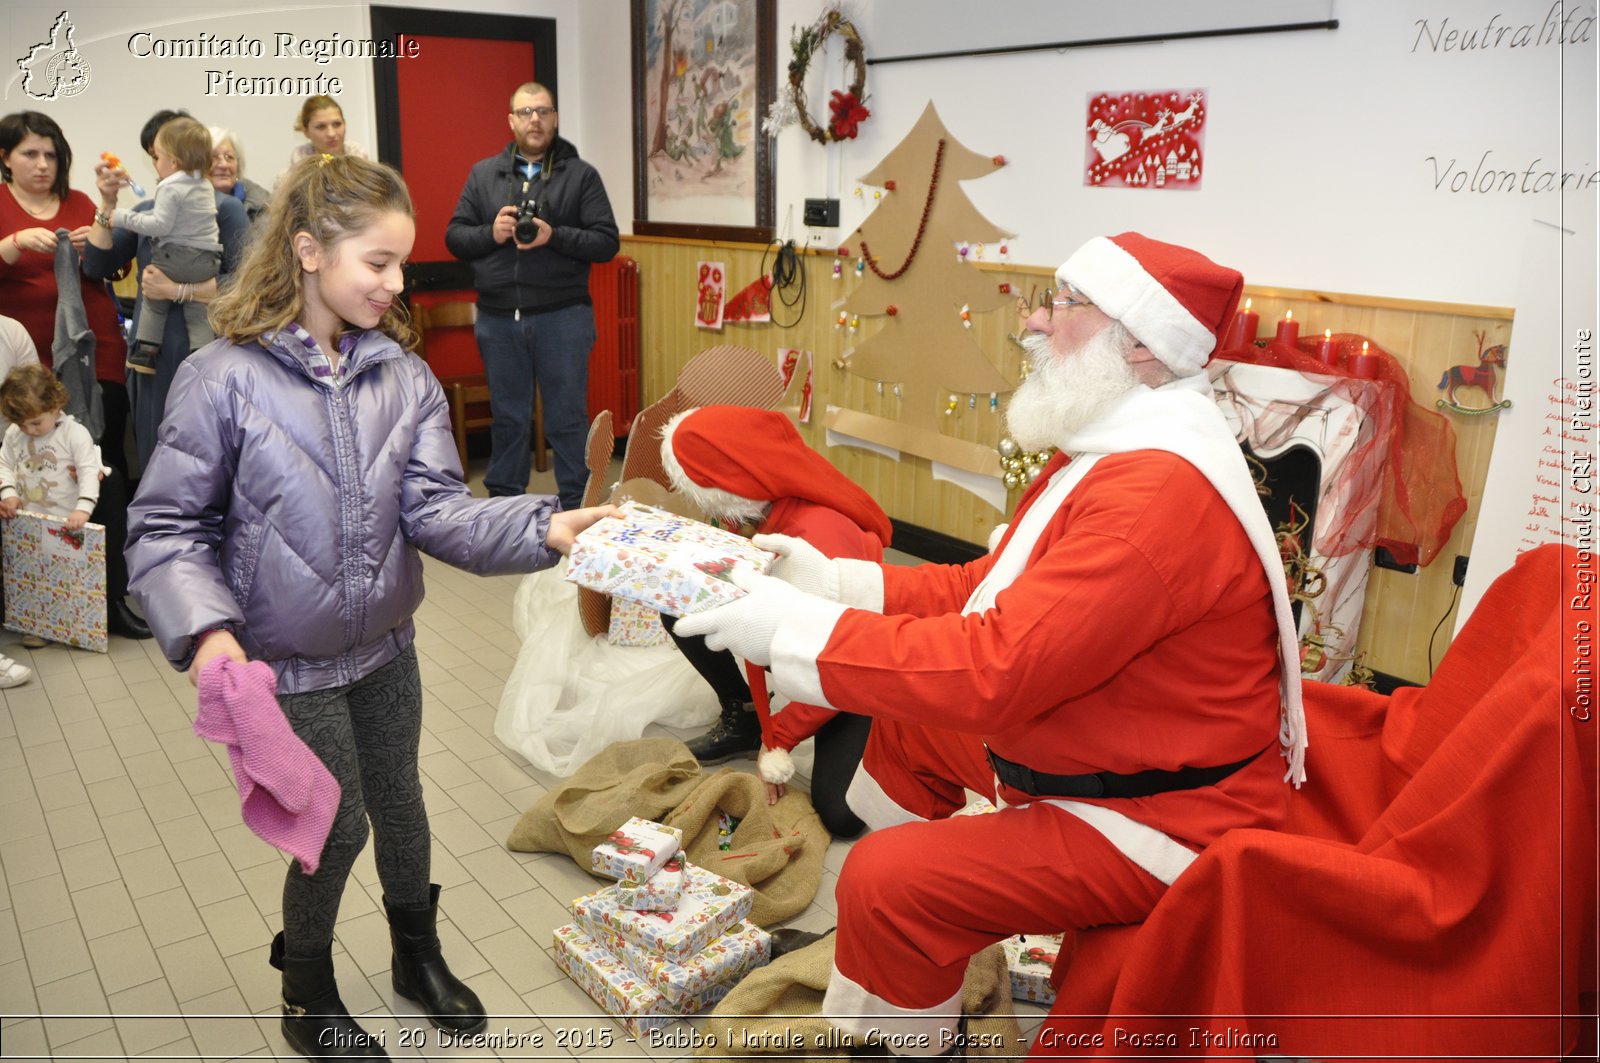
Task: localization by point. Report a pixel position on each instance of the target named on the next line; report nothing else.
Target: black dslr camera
(526, 231)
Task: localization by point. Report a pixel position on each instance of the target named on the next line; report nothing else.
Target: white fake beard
(1066, 392)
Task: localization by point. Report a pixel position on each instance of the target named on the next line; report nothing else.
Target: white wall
(124, 89)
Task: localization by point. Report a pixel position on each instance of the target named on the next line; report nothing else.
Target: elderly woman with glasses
(227, 173)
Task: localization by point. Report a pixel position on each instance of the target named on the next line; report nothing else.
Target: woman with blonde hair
(321, 119)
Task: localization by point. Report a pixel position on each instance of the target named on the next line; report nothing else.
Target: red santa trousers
(917, 901)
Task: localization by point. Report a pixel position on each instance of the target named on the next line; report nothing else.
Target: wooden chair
(469, 393)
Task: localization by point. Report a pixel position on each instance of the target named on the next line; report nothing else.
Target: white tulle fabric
(569, 696)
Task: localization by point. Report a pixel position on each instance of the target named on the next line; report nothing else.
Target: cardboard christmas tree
(914, 280)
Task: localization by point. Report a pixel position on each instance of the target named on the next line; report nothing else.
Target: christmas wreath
(846, 109)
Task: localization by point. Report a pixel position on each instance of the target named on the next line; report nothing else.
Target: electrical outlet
(1382, 558)
(1459, 576)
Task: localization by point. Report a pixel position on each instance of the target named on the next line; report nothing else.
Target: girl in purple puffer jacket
(304, 460)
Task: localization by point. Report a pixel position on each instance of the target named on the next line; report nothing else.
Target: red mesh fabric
(1417, 489)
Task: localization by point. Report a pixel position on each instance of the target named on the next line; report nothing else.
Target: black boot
(315, 1021)
(736, 733)
(420, 974)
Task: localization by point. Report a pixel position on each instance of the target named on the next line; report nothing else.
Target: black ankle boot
(736, 733)
(315, 1021)
(420, 974)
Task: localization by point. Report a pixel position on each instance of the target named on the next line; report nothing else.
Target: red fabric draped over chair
(1433, 893)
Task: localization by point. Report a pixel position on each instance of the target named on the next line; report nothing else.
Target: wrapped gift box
(684, 983)
(709, 906)
(619, 991)
(979, 806)
(55, 580)
(669, 563)
(632, 624)
(1029, 958)
(636, 850)
(658, 893)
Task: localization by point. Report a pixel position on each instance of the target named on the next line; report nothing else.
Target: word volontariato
(318, 50)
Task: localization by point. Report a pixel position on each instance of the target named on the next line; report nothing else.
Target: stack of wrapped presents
(667, 940)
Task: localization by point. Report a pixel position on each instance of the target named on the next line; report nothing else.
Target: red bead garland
(927, 209)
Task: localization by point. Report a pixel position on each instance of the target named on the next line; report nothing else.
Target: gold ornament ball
(1039, 457)
(1013, 481)
(1032, 471)
(1009, 448)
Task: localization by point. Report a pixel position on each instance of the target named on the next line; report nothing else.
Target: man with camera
(531, 219)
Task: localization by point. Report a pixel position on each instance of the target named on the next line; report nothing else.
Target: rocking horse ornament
(1484, 376)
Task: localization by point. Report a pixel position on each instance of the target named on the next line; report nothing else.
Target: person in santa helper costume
(1119, 675)
(749, 467)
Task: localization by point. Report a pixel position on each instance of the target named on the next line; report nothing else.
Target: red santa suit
(1134, 619)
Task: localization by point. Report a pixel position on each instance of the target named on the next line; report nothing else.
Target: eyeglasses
(224, 156)
(525, 113)
(1051, 301)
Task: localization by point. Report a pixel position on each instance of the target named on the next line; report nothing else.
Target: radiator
(614, 382)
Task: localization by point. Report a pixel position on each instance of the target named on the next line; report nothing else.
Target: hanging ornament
(972, 402)
(877, 193)
(994, 404)
(891, 310)
(861, 266)
(966, 316)
(843, 317)
(888, 186)
(838, 269)
(1012, 481)
(897, 391)
(1032, 472)
(858, 191)
(1005, 288)
(855, 322)
(927, 210)
(998, 160)
(880, 387)
(1008, 446)
(950, 408)
(845, 109)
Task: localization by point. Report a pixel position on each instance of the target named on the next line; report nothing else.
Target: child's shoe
(142, 357)
(13, 674)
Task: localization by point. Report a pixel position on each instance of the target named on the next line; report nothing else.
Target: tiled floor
(136, 909)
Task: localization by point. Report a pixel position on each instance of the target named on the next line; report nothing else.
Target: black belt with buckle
(1109, 783)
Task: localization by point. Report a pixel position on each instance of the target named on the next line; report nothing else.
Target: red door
(440, 113)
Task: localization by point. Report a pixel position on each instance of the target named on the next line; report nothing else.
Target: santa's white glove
(746, 627)
(801, 565)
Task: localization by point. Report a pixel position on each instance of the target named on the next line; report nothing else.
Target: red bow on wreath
(847, 115)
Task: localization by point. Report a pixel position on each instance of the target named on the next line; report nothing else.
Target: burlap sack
(647, 777)
(777, 1010)
(776, 850)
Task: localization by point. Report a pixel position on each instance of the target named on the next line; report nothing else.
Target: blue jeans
(550, 351)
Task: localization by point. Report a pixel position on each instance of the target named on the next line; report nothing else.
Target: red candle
(1328, 348)
(1364, 365)
(1288, 330)
(1242, 331)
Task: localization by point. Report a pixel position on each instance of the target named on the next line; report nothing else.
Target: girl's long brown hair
(331, 197)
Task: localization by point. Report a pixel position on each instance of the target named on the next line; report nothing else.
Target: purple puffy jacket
(292, 510)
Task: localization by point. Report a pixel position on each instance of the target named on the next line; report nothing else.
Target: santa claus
(748, 467)
(1118, 675)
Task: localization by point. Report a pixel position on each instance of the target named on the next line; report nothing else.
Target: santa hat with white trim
(1173, 300)
(720, 456)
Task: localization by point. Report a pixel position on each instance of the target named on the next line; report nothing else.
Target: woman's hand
(79, 237)
(564, 527)
(37, 239)
(109, 182)
(155, 284)
(220, 643)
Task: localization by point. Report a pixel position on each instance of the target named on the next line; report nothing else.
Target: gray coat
(290, 509)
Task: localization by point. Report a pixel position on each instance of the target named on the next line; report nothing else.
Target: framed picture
(703, 79)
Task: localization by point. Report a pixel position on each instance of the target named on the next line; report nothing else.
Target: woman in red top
(35, 202)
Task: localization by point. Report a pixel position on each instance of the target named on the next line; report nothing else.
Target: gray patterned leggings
(367, 734)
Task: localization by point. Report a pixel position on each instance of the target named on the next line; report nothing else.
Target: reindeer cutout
(1484, 376)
